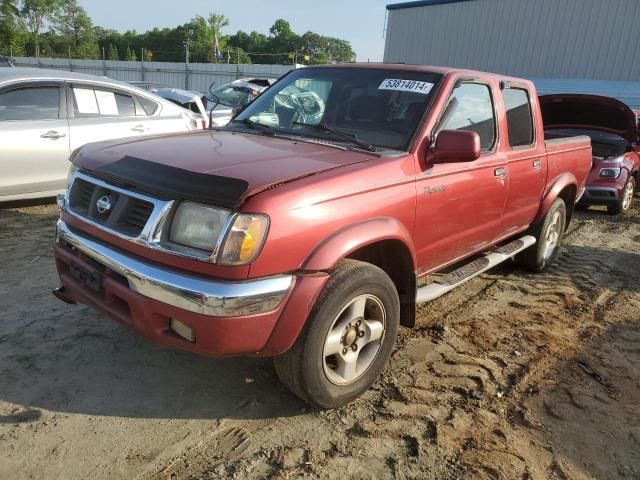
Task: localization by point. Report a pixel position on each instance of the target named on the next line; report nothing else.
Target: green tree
(130, 55)
(32, 15)
(11, 37)
(113, 53)
(72, 22)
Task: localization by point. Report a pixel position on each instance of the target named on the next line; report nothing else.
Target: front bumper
(600, 196)
(260, 316)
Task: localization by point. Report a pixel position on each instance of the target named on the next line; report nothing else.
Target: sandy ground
(513, 376)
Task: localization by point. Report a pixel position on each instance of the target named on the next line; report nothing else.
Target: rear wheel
(624, 204)
(347, 339)
(548, 232)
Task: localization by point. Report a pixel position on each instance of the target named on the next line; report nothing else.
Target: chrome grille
(125, 214)
(137, 214)
(132, 215)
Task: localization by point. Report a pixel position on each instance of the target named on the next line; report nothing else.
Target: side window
(30, 103)
(89, 102)
(470, 107)
(519, 116)
(126, 105)
(149, 106)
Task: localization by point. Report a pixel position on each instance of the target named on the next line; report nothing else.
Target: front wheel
(347, 339)
(624, 204)
(548, 232)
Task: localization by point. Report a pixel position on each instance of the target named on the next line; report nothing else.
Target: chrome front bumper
(216, 298)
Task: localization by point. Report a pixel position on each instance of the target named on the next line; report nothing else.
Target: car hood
(589, 111)
(218, 167)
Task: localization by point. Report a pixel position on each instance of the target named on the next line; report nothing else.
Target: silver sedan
(46, 114)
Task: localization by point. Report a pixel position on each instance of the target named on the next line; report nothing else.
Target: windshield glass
(233, 95)
(379, 107)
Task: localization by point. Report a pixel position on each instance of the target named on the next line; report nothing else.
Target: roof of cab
(406, 67)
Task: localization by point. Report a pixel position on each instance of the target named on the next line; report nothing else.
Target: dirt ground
(513, 376)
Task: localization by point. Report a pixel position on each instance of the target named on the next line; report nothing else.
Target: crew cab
(310, 227)
(613, 129)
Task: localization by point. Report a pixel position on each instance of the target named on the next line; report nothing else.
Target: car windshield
(235, 96)
(375, 106)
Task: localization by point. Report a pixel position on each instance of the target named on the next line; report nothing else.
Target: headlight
(609, 172)
(203, 227)
(198, 226)
(244, 240)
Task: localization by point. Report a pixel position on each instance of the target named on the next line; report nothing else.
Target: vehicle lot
(514, 375)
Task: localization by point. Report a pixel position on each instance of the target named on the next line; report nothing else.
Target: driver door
(460, 204)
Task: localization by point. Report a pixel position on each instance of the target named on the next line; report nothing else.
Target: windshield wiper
(257, 126)
(346, 135)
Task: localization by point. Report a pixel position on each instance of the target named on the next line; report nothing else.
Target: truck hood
(217, 167)
(589, 111)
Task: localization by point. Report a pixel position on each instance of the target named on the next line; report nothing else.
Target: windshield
(233, 95)
(379, 107)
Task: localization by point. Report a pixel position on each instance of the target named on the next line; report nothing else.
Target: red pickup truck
(310, 227)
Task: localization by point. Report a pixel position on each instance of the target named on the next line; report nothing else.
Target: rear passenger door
(99, 113)
(460, 204)
(34, 138)
(526, 160)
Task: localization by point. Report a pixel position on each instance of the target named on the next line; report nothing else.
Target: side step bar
(465, 273)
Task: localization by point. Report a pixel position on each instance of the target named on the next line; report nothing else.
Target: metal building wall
(578, 39)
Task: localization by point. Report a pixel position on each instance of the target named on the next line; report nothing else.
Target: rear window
(519, 116)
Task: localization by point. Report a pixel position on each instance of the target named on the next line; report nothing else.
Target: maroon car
(613, 128)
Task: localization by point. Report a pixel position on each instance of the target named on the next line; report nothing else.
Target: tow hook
(60, 293)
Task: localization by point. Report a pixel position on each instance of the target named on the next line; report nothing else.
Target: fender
(558, 185)
(347, 240)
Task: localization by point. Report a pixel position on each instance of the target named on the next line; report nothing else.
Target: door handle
(53, 135)
(139, 129)
(500, 172)
(537, 164)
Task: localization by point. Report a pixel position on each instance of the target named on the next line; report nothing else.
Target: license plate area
(92, 280)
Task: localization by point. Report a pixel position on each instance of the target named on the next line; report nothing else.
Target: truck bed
(568, 154)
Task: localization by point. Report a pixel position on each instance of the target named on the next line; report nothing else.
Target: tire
(538, 257)
(310, 369)
(624, 203)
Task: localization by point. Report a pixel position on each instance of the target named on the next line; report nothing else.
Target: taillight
(204, 124)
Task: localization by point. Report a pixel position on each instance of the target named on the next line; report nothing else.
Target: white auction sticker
(406, 85)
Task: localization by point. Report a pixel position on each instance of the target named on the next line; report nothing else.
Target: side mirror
(456, 146)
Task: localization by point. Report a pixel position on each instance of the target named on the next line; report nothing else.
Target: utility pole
(187, 44)
(142, 60)
(70, 67)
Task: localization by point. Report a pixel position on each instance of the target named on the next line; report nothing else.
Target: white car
(231, 97)
(46, 114)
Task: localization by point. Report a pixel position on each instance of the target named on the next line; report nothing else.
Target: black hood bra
(168, 182)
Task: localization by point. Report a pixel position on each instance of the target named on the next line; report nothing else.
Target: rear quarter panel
(569, 163)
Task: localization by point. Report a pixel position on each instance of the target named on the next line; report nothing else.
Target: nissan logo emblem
(103, 205)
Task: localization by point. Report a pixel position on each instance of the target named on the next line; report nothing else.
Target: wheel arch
(564, 187)
(383, 242)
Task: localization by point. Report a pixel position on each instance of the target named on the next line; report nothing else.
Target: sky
(361, 22)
